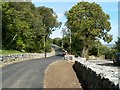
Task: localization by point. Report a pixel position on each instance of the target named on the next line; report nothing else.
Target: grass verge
(7, 52)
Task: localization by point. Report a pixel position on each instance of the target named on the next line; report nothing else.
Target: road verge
(60, 74)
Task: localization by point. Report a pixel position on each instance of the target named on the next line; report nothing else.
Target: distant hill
(109, 45)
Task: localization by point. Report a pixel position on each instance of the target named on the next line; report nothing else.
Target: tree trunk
(85, 52)
(45, 39)
(12, 39)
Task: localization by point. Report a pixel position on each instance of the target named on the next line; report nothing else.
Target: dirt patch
(60, 74)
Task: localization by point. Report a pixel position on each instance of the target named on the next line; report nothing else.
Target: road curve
(28, 74)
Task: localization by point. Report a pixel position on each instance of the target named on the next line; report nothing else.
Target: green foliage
(20, 44)
(98, 49)
(57, 41)
(77, 45)
(48, 45)
(7, 52)
(23, 26)
(103, 49)
(49, 19)
(110, 54)
(93, 51)
(66, 43)
(89, 22)
(118, 45)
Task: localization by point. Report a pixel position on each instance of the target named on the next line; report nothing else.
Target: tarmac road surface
(28, 74)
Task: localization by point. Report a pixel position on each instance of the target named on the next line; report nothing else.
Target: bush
(93, 51)
(110, 54)
(57, 41)
(103, 50)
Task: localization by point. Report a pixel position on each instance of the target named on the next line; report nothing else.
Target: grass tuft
(7, 52)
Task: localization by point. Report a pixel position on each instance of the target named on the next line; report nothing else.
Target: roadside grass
(7, 52)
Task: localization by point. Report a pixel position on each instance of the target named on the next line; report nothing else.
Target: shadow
(76, 67)
(58, 50)
(62, 55)
(79, 78)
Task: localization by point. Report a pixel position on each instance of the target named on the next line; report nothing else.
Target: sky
(60, 8)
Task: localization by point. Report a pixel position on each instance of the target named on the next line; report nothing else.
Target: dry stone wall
(25, 56)
(95, 77)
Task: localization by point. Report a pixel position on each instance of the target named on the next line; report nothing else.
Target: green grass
(7, 52)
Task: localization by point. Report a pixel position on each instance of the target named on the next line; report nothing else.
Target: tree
(76, 44)
(49, 21)
(23, 29)
(57, 41)
(97, 48)
(117, 45)
(90, 22)
(16, 24)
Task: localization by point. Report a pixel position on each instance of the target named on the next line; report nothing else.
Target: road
(28, 74)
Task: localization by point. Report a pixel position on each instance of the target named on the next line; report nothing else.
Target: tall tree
(49, 21)
(16, 27)
(22, 26)
(90, 22)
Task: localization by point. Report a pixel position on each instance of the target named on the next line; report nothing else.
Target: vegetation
(26, 27)
(117, 45)
(7, 52)
(57, 41)
(98, 49)
(110, 54)
(88, 23)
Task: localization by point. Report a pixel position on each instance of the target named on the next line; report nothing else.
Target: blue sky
(60, 8)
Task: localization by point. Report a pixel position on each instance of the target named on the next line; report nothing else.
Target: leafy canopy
(22, 26)
(89, 21)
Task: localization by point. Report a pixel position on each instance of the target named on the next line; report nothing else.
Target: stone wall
(95, 77)
(24, 56)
